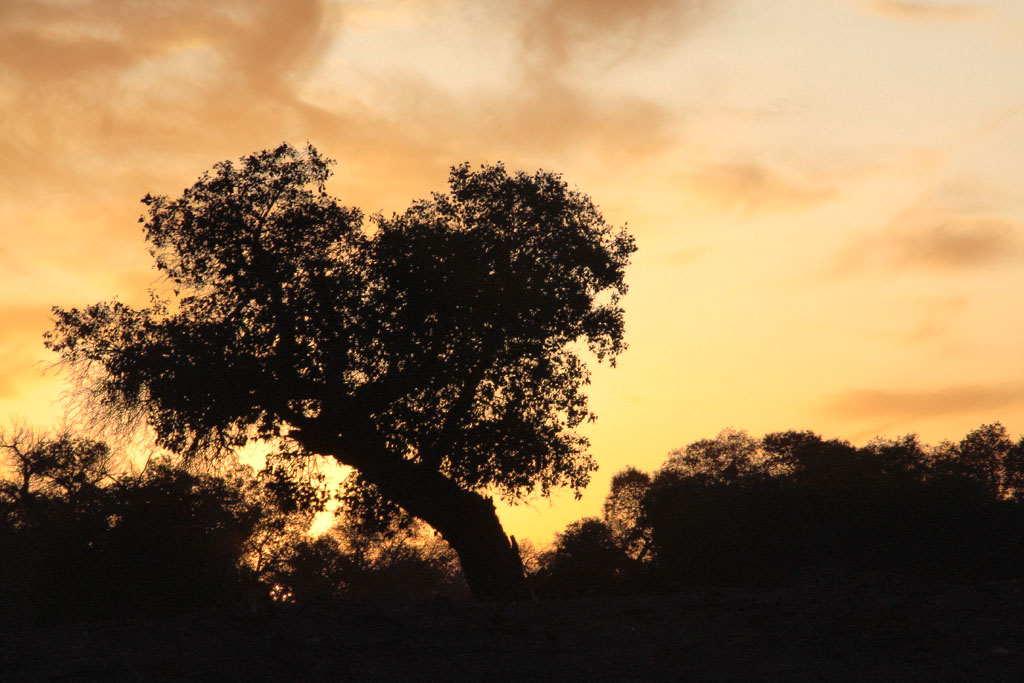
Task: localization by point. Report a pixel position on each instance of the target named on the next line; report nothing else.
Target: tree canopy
(436, 351)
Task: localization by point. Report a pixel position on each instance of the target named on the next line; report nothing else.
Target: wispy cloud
(958, 242)
(549, 105)
(911, 405)
(558, 33)
(557, 117)
(264, 40)
(925, 11)
(102, 88)
(753, 186)
(934, 241)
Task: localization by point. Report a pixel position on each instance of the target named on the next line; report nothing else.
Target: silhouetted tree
(52, 510)
(585, 560)
(42, 464)
(437, 353)
(175, 541)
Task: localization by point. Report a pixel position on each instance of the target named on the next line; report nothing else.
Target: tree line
(792, 505)
(82, 537)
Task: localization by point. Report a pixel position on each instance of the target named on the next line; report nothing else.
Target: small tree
(437, 353)
(586, 560)
(51, 464)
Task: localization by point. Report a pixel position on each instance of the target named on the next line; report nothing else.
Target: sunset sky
(827, 195)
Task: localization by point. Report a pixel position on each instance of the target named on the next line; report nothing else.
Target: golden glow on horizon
(828, 197)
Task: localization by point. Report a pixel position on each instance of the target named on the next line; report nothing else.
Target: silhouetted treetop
(437, 345)
(40, 463)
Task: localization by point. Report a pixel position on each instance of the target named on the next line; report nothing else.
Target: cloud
(958, 242)
(105, 100)
(261, 40)
(560, 33)
(935, 241)
(924, 11)
(936, 316)
(114, 99)
(547, 106)
(751, 187)
(529, 121)
(908, 405)
(110, 85)
(556, 118)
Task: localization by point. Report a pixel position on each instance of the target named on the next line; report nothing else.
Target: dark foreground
(866, 628)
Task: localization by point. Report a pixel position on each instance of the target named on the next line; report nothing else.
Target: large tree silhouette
(437, 352)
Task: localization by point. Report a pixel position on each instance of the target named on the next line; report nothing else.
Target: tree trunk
(490, 561)
(466, 520)
(469, 523)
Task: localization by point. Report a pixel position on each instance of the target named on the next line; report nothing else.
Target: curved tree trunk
(466, 520)
(469, 523)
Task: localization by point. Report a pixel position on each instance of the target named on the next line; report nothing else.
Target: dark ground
(873, 628)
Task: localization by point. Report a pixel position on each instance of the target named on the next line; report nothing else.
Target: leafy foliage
(449, 328)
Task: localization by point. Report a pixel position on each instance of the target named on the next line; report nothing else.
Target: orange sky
(827, 194)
